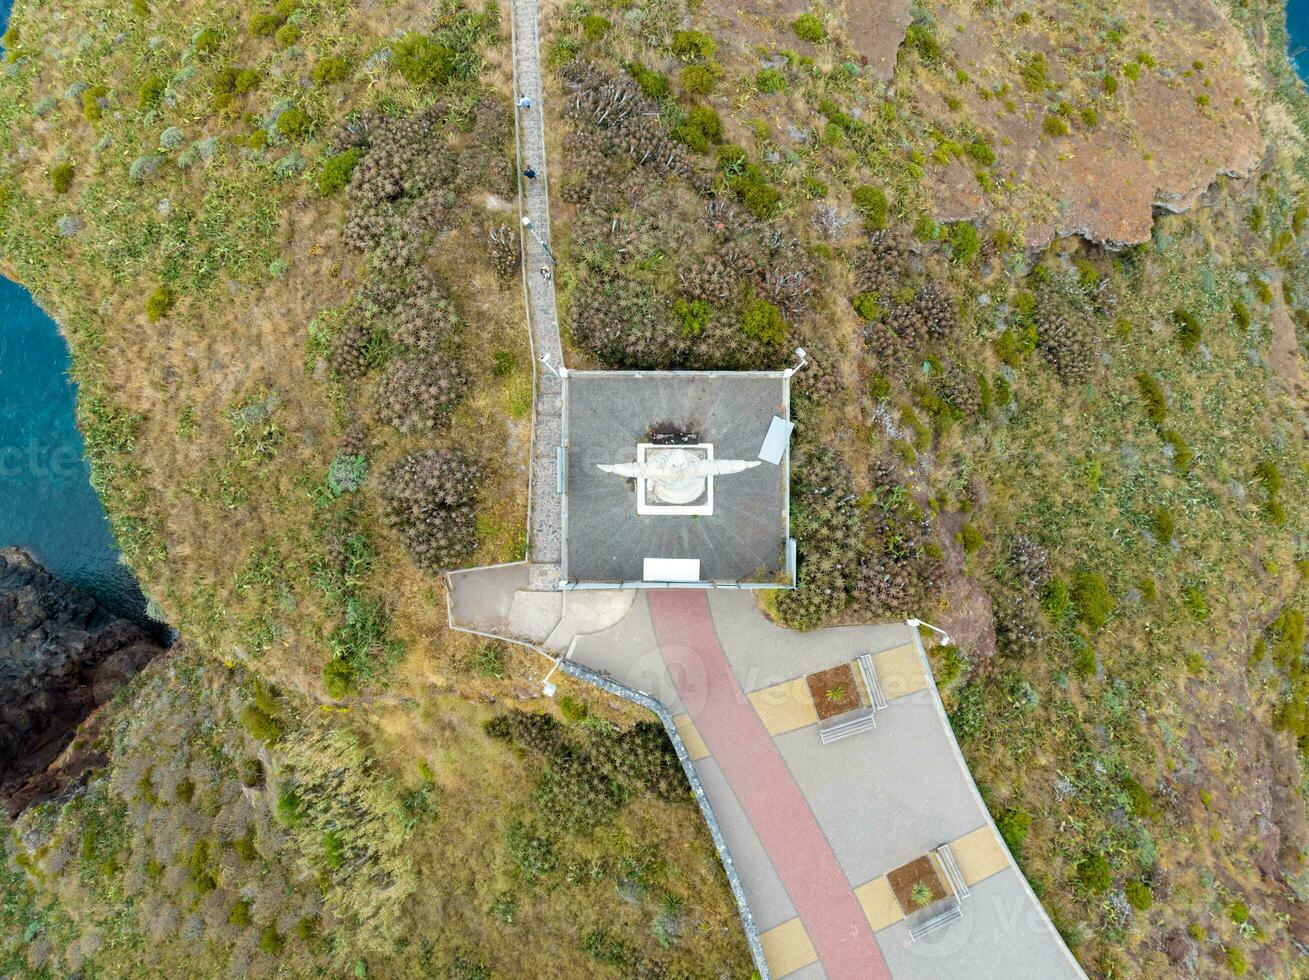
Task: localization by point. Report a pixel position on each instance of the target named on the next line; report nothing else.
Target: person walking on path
(529, 173)
(524, 103)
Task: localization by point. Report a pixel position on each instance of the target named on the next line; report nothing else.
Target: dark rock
(62, 655)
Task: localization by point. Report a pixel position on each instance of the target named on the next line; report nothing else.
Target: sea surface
(1297, 25)
(46, 502)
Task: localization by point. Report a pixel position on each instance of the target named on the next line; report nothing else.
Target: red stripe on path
(772, 801)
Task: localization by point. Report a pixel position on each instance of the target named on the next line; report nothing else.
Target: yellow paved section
(695, 746)
(785, 707)
(879, 903)
(787, 947)
(899, 671)
(978, 855)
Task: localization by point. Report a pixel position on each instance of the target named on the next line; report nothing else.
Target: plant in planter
(834, 691)
(917, 885)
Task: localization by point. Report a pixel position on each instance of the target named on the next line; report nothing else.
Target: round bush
(159, 304)
(293, 123)
(429, 499)
(61, 178)
(808, 27)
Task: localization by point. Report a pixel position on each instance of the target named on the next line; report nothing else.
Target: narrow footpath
(777, 809)
(544, 534)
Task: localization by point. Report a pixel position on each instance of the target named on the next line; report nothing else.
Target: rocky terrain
(62, 656)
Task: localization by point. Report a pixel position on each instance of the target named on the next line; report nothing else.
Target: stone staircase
(544, 531)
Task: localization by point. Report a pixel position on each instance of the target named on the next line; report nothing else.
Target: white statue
(676, 476)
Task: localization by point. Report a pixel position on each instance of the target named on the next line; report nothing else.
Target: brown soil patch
(1160, 142)
(919, 871)
(834, 691)
(876, 29)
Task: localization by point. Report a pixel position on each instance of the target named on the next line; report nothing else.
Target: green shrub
(337, 170)
(1139, 895)
(1236, 961)
(422, 60)
(964, 243)
(1182, 454)
(293, 123)
(694, 315)
(91, 108)
(701, 130)
(871, 202)
(265, 24)
(809, 27)
(252, 773)
(981, 152)
(152, 90)
(920, 38)
(694, 46)
(61, 178)
(1156, 404)
(1094, 874)
(1161, 524)
(270, 940)
(333, 850)
(595, 27)
(971, 539)
(287, 35)
(339, 678)
(1055, 126)
(289, 808)
(758, 197)
(184, 791)
(1238, 912)
(206, 41)
(763, 322)
(770, 80)
(503, 363)
(1193, 598)
(261, 725)
(159, 303)
(1034, 71)
(699, 79)
(572, 709)
(1189, 332)
(330, 69)
(1091, 598)
(240, 916)
(245, 847)
(952, 665)
(867, 305)
(1109, 83)
(1014, 826)
(653, 84)
(1267, 473)
(1138, 798)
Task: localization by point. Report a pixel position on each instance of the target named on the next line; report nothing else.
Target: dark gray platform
(608, 413)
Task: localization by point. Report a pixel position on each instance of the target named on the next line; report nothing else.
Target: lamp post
(527, 223)
(915, 623)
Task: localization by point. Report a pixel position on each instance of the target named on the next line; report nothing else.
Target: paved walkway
(807, 823)
(543, 315)
(773, 802)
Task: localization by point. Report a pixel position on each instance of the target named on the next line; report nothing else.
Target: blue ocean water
(1297, 25)
(46, 502)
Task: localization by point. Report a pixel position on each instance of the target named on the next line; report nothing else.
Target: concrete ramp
(533, 616)
(481, 598)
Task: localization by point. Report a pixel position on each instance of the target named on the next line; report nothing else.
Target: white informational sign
(671, 570)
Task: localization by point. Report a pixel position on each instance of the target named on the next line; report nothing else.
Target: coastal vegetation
(1074, 459)
(281, 243)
